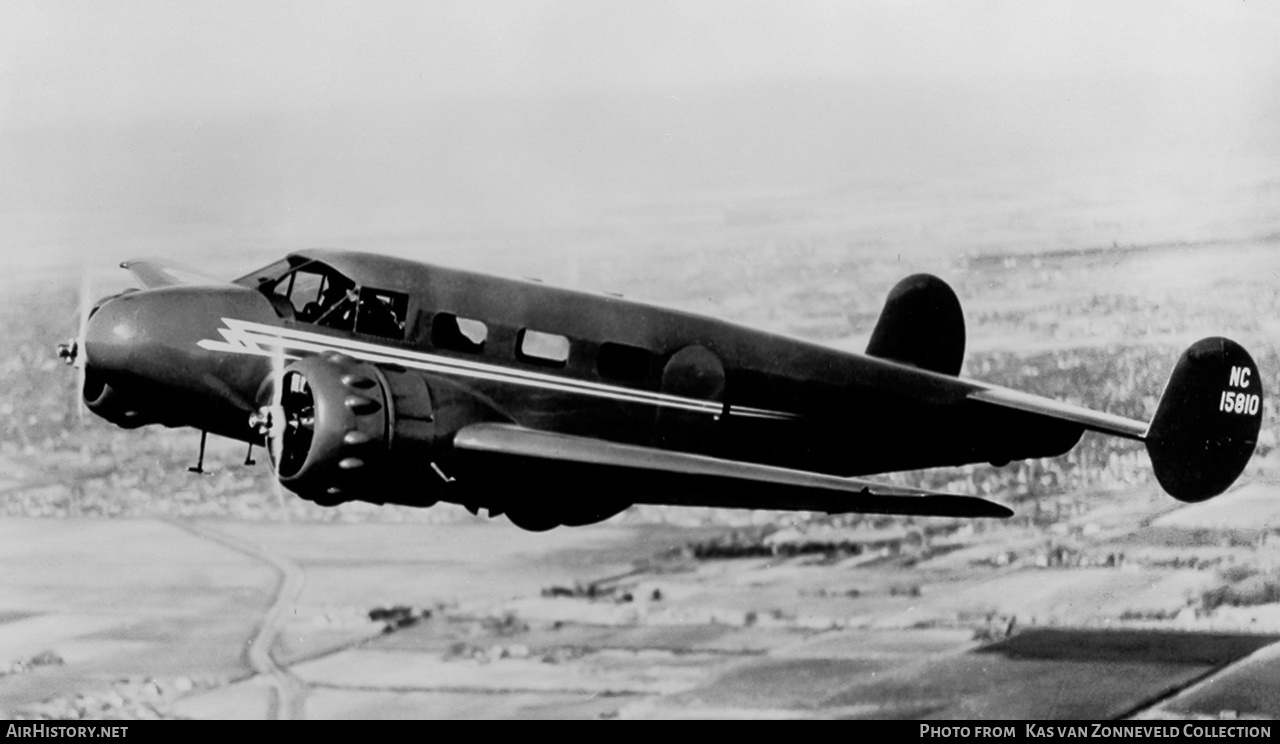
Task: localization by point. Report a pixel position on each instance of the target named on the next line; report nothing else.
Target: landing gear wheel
(534, 520)
(547, 517)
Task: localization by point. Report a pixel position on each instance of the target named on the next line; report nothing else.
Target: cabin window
(550, 349)
(382, 313)
(448, 331)
(622, 362)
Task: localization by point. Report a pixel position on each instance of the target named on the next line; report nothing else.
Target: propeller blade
(81, 358)
(275, 435)
(275, 438)
(282, 501)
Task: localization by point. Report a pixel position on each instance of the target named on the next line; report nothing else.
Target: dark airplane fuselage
(557, 360)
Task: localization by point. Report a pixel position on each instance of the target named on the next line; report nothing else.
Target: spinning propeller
(73, 352)
(273, 422)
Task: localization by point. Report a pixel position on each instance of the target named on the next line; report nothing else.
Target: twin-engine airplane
(379, 379)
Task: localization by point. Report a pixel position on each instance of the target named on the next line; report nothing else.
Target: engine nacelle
(340, 429)
(344, 430)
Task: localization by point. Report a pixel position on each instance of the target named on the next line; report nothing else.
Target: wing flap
(655, 476)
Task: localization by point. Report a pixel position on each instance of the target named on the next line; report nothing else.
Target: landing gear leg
(199, 468)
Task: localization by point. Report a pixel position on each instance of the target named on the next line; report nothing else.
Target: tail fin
(1206, 426)
(921, 324)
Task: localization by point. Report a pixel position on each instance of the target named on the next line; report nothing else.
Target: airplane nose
(144, 361)
(113, 334)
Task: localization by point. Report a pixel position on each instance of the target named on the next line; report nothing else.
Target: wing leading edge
(655, 476)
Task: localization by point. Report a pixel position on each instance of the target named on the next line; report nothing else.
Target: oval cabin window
(550, 349)
(623, 362)
(450, 332)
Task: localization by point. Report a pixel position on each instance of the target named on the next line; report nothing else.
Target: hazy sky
(287, 123)
(126, 59)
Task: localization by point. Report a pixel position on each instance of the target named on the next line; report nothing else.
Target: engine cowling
(340, 429)
(120, 408)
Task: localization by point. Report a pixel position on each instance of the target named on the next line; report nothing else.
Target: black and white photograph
(641, 359)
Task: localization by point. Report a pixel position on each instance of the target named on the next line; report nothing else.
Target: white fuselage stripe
(246, 337)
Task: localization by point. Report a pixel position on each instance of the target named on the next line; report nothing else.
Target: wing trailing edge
(656, 476)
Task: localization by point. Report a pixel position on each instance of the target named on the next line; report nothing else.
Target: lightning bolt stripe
(247, 337)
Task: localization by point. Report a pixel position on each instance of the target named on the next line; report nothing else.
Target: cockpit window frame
(273, 272)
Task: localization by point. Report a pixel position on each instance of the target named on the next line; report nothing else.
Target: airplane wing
(152, 273)
(655, 476)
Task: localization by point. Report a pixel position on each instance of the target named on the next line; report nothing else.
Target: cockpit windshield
(317, 294)
(268, 273)
(310, 291)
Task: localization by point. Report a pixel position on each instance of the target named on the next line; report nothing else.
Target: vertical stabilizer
(922, 325)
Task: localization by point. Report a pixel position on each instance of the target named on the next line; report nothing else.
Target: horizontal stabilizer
(646, 475)
(1204, 430)
(1093, 420)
